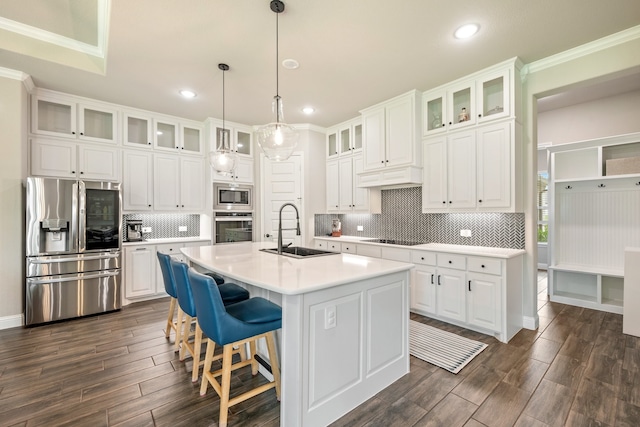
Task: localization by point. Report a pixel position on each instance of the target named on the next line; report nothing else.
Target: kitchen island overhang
(344, 333)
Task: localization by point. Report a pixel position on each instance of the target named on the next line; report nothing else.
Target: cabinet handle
(469, 285)
(432, 278)
(267, 235)
(638, 183)
(568, 187)
(601, 185)
(438, 280)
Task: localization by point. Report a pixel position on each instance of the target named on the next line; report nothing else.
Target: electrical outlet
(360, 228)
(182, 228)
(330, 317)
(146, 229)
(465, 233)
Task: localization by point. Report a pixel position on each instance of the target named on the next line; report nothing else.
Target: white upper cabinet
(345, 139)
(481, 97)
(137, 181)
(137, 130)
(178, 183)
(390, 133)
(333, 186)
(69, 117)
(63, 159)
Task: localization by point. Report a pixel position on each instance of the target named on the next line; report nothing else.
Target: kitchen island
(344, 333)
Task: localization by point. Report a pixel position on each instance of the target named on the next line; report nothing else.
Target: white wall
(614, 115)
(13, 170)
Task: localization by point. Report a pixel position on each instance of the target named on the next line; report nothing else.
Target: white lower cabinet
(484, 294)
(450, 294)
(142, 273)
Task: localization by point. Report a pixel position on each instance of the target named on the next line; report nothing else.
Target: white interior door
(282, 183)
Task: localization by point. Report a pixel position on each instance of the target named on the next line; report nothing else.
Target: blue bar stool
(233, 326)
(170, 288)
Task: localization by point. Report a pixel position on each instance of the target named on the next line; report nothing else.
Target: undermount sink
(299, 252)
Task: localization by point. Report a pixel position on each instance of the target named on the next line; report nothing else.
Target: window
(543, 206)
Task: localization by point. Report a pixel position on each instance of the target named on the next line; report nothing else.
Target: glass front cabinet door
(434, 110)
(493, 96)
(461, 104)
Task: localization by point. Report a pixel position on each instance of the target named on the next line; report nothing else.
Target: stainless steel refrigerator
(73, 245)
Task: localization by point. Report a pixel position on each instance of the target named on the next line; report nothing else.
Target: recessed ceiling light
(466, 31)
(308, 110)
(188, 93)
(290, 64)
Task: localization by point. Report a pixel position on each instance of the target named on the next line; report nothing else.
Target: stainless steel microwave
(232, 198)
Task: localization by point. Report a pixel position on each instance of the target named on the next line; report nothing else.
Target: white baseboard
(11, 321)
(530, 322)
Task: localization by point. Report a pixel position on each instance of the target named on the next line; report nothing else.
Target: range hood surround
(403, 176)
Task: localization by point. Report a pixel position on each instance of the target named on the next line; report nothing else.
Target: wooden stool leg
(254, 362)
(206, 370)
(185, 336)
(176, 346)
(273, 358)
(227, 353)
(197, 344)
(172, 309)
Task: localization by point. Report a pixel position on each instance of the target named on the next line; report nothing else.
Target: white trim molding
(18, 75)
(624, 36)
(531, 323)
(14, 321)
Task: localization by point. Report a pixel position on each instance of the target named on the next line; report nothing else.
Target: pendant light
(277, 140)
(223, 159)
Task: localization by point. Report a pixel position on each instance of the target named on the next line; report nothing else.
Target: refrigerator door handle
(74, 219)
(74, 259)
(81, 208)
(74, 278)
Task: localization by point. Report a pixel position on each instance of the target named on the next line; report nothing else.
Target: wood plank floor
(117, 369)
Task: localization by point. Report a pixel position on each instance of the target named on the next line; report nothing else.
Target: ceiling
(352, 54)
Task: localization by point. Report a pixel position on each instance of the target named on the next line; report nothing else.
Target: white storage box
(623, 166)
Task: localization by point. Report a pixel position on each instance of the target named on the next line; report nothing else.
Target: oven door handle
(234, 219)
(75, 278)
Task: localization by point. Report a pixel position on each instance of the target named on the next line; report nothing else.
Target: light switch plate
(360, 228)
(182, 228)
(465, 233)
(146, 229)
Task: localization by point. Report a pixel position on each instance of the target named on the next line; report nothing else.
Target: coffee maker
(134, 230)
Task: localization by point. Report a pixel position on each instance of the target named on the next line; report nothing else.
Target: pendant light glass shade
(223, 159)
(277, 140)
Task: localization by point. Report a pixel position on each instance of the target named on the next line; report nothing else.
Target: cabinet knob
(381, 161)
(81, 173)
(449, 201)
(450, 262)
(73, 171)
(422, 258)
(267, 235)
(444, 202)
(177, 206)
(444, 125)
(387, 161)
(149, 205)
(148, 143)
(480, 201)
(81, 133)
(450, 123)
(482, 266)
(73, 133)
(479, 115)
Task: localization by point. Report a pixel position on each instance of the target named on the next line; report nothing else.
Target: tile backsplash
(402, 219)
(166, 226)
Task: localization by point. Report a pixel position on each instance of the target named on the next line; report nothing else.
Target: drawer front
(485, 265)
(458, 262)
(422, 257)
(319, 244)
(370, 250)
(349, 248)
(396, 254)
(169, 249)
(333, 246)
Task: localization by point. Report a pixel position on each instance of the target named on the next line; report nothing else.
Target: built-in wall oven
(233, 227)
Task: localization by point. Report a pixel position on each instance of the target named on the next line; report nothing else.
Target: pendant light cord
(277, 71)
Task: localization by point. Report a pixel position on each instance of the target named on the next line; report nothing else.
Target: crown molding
(607, 42)
(18, 75)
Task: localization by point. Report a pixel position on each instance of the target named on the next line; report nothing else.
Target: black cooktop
(393, 242)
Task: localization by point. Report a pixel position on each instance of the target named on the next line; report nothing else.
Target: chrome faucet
(280, 229)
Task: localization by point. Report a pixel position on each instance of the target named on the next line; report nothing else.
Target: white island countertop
(286, 275)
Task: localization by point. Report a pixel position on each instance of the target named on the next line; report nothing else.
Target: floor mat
(444, 349)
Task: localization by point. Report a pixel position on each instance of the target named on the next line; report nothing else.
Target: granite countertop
(436, 247)
(285, 275)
